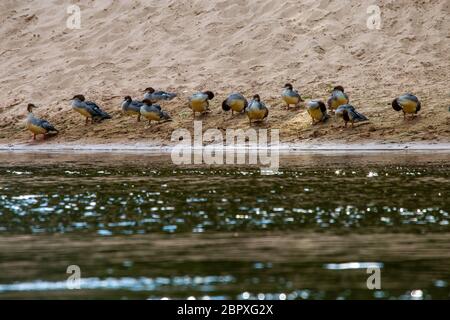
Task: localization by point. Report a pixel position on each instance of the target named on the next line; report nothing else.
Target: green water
(140, 227)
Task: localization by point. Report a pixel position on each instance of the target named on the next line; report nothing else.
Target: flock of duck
(256, 110)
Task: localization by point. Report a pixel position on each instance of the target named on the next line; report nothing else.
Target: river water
(139, 227)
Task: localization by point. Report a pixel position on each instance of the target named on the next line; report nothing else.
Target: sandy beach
(224, 46)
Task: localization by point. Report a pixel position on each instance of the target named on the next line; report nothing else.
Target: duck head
(147, 102)
(30, 107)
(210, 94)
(79, 97)
(127, 99)
(149, 90)
(338, 88)
(288, 86)
(256, 97)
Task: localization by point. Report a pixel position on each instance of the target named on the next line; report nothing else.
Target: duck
(408, 103)
(156, 96)
(38, 126)
(317, 110)
(88, 109)
(349, 114)
(153, 112)
(132, 107)
(199, 102)
(256, 109)
(291, 96)
(235, 102)
(338, 97)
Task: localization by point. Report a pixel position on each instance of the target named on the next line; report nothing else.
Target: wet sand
(286, 148)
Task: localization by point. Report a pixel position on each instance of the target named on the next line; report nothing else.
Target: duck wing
(355, 115)
(165, 95)
(46, 125)
(95, 110)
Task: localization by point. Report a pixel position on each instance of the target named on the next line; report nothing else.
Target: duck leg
(139, 118)
(34, 136)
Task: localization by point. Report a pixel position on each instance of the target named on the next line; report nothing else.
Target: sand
(224, 46)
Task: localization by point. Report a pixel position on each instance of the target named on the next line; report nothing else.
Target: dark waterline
(140, 227)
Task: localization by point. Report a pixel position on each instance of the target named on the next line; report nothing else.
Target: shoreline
(284, 148)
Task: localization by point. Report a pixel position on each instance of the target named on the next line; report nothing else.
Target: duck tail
(105, 116)
(165, 115)
(396, 106)
(225, 106)
(171, 96)
(360, 117)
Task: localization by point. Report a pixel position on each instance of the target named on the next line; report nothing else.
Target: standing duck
(88, 109)
(408, 103)
(318, 111)
(291, 96)
(256, 109)
(338, 97)
(153, 112)
(349, 114)
(155, 96)
(199, 102)
(235, 102)
(132, 107)
(36, 125)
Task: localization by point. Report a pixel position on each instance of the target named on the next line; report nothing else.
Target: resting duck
(88, 109)
(199, 102)
(408, 103)
(155, 96)
(291, 96)
(132, 107)
(348, 113)
(235, 102)
(36, 125)
(256, 109)
(153, 112)
(338, 97)
(317, 110)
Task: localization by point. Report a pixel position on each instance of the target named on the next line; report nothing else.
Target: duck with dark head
(257, 110)
(132, 107)
(153, 112)
(155, 96)
(199, 102)
(90, 110)
(291, 96)
(337, 98)
(36, 125)
(235, 102)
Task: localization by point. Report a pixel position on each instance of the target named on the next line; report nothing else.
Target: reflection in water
(139, 227)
